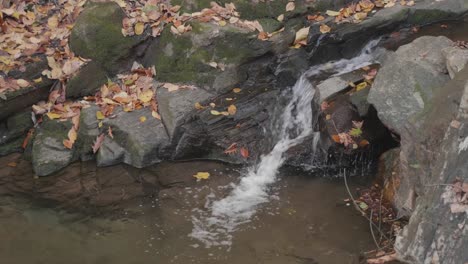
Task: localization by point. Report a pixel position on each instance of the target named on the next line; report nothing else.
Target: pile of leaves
(456, 195)
(34, 27)
(155, 15)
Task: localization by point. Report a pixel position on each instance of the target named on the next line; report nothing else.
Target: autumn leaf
(146, 96)
(139, 28)
(355, 132)
(244, 152)
(237, 90)
(231, 149)
(290, 6)
(98, 142)
(53, 116)
(332, 13)
(22, 83)
(202, 176)
(232, 109)
(324, 29)
(198, 106)
(155, 115)
(301, 35)
(99, 115)
(109, 132)
(361, 86)
(12, 164)
(215, 113)
(142, 119)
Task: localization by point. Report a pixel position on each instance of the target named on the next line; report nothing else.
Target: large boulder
(13, 132)
(433, 160)
(139, 140)
(97, 35)
(408, 80)
(48, 152)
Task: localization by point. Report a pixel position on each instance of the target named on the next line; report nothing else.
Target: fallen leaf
(324, 29)
(98, 142)
(12, 164)
(280, 18)
(202, 176)
(290, 6)
(53, 116)
(22, 83)
(232, 109)
(139, 28)
(361, 86)
(146, 96)
(198, 106)
(214, 112)
(244, 152)
(155, 115)
(237, 90)
(142, 119)
(231, 149)
(99, 115)
(301, 34)
(109, 132)
(332, 13)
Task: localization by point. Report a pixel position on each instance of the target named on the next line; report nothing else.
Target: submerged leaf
(202, 176)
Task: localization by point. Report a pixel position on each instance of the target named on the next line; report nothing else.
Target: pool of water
(306, 221)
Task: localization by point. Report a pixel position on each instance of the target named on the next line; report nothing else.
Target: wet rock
(186, 58)
(456, 59)
(433, 156)
(17, 101)
(13, 131)
(48, 152)
(139, 140)
(87, 133)
(97, 35)
(175, 106)
(388, 175)
(334, 85)
(419, 68)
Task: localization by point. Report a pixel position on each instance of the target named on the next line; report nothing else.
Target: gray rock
(13, 131)
(48, 152)
(336, 84)
(175, 106)
(456, 59)
(136, 143)
(88, 132)
(408, 80)
(433, 156)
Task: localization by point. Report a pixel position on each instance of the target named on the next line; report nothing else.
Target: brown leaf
(232, 109)
(324, 29)
(109, 132)
(231, 149)
(244, 152)
(97, 144)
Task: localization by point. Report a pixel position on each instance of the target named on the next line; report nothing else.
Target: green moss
(97, 35)
(424, 16)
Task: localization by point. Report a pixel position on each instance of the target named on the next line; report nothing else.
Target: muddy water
(306, 222)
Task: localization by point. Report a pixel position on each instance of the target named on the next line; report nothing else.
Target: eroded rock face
(433, 157)
(408, 80)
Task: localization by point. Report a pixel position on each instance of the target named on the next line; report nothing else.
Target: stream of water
(221, 217)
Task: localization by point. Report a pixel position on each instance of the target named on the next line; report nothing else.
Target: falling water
(215, 225)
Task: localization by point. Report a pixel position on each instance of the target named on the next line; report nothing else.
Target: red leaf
(231, 149)
(28, 137)
(244, 152)
(98, 142)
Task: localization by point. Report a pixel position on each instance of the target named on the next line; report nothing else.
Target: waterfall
(215, 225)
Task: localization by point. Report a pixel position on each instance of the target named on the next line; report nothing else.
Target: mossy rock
(186, 58)
(97, 35)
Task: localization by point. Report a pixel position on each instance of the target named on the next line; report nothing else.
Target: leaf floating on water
(232, 109)
(202, 176)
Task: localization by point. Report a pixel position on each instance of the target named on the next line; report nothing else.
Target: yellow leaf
(22, 83)
(155, 115)
(52, 22)
(38, 80)
(280, 18)
(202, 175)
(237, 90)
(72, 135)
(360, 16)
(332, 13)
(301, 34)
(53, 116)
(290, 6)
(100, 124)
(222, 23)
(142, 119)
(328, 117)
(100, 115)
(214, 112)
(361, 86)
(225, 113)
(139, 28)
(146, 96)
(198, 106)
(324, 28)
(232, 109)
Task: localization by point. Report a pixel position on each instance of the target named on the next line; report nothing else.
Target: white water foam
(215, 225)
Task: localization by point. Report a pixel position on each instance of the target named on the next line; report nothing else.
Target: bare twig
(359, 208)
